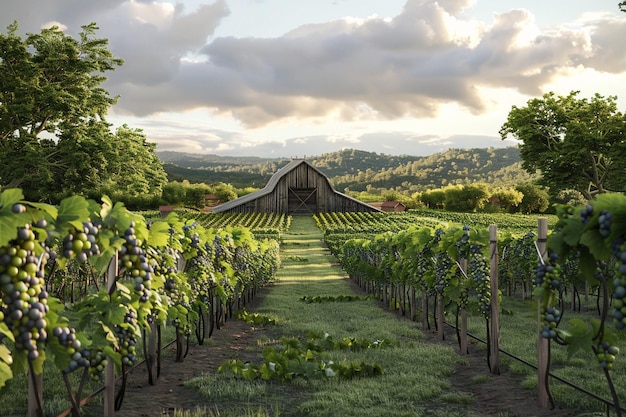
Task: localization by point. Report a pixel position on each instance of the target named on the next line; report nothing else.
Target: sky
(297, 78)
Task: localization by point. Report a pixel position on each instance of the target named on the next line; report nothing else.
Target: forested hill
(355, 170)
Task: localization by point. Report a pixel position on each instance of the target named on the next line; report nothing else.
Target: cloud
(408, 66)
(228, 143)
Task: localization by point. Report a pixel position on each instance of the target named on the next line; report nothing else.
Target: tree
(574, 143)
(535, 200)
(508, 198)
(54, 139)
(433, 198)
(569, 197)
(466, 198)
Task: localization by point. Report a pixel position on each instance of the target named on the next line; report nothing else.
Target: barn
(297, 188)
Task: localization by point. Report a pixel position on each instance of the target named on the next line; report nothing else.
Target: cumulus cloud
(410, 65)
(405, 66)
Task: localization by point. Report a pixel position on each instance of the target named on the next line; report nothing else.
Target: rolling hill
(355, 170)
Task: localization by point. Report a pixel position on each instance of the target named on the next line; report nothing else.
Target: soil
(499, 395)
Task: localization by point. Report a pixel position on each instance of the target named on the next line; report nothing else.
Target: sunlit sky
(284, 78)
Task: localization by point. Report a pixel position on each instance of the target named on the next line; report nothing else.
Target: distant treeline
(352, 170)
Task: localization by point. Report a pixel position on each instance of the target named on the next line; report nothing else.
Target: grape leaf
(159, 234)
(5, 355)
(9, 221)
(49, 209)
(5, 374)
(596, 244)
(73, 211)
(578, 336)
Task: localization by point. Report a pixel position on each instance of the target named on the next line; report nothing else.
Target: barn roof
(271, 184)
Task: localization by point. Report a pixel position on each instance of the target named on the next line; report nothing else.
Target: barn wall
(302, 176)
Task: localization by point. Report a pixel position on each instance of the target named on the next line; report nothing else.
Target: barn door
(302, 200)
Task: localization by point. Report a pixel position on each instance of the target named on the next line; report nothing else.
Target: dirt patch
(493, 395)
(232, 341)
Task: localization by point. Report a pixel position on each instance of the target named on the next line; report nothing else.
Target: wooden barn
(297, 188)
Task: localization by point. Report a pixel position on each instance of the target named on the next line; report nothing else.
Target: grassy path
(414, 371)
(414, 380)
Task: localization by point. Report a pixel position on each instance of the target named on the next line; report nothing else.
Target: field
(421, 376)
(315, 342)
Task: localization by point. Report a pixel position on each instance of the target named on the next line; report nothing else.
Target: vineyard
(454, 265)
(90, 290)
(87, 289)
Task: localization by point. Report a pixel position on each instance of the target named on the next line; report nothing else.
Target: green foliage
(155, 272)
(54, 138)
(535, 199)
(575, 143)
(255, 318)
(368, 176)
(331, 299)
(307, 360)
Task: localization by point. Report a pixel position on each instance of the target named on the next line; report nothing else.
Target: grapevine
(548, 279)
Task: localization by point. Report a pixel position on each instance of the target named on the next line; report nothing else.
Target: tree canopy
(575, 143)
(54, 138)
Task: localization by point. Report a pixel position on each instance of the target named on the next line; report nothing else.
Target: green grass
(414, 371)
(519, 338)
(55, 396)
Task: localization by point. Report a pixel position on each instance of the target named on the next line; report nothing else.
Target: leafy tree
(433, 198)
(575, 143)
(622, 6)
(225, 192)
(466, 198)
(535, 200)
(569, 197)
(508, 198)
(54, 139)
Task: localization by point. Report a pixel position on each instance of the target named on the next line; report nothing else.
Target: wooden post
(424, 309)
(153, 349)
(109, 372)
(543, 344)
(463, 350)
(35, 394)
(494, 354)
(440, 334)
(412, 303)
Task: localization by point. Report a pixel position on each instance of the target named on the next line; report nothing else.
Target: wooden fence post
(440, 317)
(425, 324)
(543, 344)
(494, 354)
(463, 331)
(35, 394)
(109, 372)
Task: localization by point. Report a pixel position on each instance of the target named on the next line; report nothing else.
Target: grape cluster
(549, 321)
(548, 276)
(606, 353)
(127, 337)
(81, 243)
(24, 301)
(80, 357)
(604, 223)
(586, 213)
(463, 245)
(192, 236)
(479, 272)
(619, 284)
(67, 338)
(443, 266)
(134, 264)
